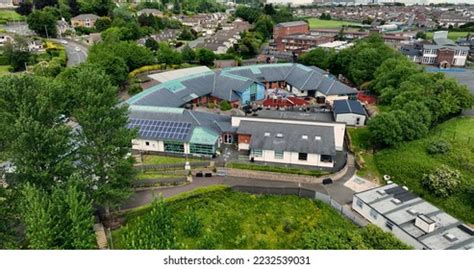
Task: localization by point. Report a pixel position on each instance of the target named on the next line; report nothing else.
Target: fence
(143, 183)
(306, 193)
(146, 167)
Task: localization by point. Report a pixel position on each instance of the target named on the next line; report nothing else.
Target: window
(279, 135)
(257, 152)
(171, 146)
(359, 203)
(357, 120)
(147, 143)
(317, 138)
(389, 225)
(304, 137)
(201, 149)
(326, 158)
(279, 154)
(267, 134)
(373, 214)
(303, 156)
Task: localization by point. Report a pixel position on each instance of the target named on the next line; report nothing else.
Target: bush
(134, 89)
(225, 105)
(192, 225)
(211, 105)
(438, 146)
(443, 181)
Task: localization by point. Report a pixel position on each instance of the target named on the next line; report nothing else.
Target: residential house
(84, 20)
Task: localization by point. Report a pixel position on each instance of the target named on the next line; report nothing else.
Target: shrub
(443, 181)
(438, 146)
(225, 105)
(211, 105)
(192, 225)
(134, 89)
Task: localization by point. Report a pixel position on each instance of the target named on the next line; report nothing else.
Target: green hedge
(277, 169)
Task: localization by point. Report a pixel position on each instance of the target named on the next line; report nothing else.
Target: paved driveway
(74, 57)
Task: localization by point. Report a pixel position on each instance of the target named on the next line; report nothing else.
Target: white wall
(351, 119)
(339, 128)
(244, 146)
(154, 145)
(291, 158)
(381, 221)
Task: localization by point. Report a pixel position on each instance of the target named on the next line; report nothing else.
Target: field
(9, 15)
(451, 35)
(225, 219)
(317, 23)
(407, 163)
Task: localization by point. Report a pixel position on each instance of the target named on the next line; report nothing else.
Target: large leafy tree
(43, 22)
(104, 138)
(318, 57)
(385, 129)
(36, 140)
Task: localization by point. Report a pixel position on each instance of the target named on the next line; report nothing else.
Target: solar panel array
(161, 128)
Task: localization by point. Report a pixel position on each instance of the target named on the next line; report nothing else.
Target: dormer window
(304, 137)
(267, 134)
(279, 135)
(317, 138)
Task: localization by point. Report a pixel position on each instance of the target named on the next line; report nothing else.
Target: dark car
(327, 181)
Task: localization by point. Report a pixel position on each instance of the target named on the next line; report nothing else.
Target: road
(337, 190)
(74, 57)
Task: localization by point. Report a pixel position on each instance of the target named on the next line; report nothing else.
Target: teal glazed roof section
(255, 70)
(203, 136)
(160, 109)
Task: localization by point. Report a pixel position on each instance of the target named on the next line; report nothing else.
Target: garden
(220, 218)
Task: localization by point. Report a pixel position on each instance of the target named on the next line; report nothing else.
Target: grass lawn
(360, 145)
(317, 23)
(4, 70)
(407, 164)
(226, 219)
(158, 175)
(451, 35)
(157, 160)
(277, 169)
(7, 15)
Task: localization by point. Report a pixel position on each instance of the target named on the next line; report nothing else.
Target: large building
(411, 219)
(84, 20)
(242, 86)
(309, 139)
(178, 131)
(285, 29)
(442, 52)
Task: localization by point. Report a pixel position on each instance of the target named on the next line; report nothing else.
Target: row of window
(279, 155)
(374, 214)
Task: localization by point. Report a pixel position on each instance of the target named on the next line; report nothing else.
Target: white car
(64, 42)
(77, 49)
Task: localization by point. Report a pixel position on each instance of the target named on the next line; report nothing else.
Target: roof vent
(405, 188)
(389, 182)
(450, 237)
(396, 201)
(267, 134)
(304, 137)
(279, 135)
(317, 137)
(381, 192)
(412, 211)
(425, 223)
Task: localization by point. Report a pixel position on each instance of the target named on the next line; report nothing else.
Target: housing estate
(411, 219)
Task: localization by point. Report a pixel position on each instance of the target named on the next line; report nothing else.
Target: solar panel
(161, 129)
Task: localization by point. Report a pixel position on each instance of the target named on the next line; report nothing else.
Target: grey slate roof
(213, 122)
(291, 23)
(292, 139)
(228, 83)
(348, 106)
(293, 115)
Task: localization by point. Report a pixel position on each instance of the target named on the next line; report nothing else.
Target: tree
(188, 55)
(187, 34)
(205, 57)
(102, 24)
(104, 139)
(264, 25)
(43, 22)
(385, 129)
(40, 4)
(225, 105)
(37, 218)
(318, 57)
(152, 44)
(269, 9)
(443, 181)
(168, 56)
(421, 35)
(17, 53)
(98, 7)
(31, 130)
(25, 8)
(333, 238)
(176, 7)
(249, 14)
(155, 230)
(74, 7)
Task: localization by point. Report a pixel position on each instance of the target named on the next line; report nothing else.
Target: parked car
(327, 181)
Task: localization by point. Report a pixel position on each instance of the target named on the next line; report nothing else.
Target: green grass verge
(277, 169)
(4, 70)
(157, 175)
(157, 160)
(317, 23)
(9, 15)
(407, 163)
(235, 220)
(451, 35)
